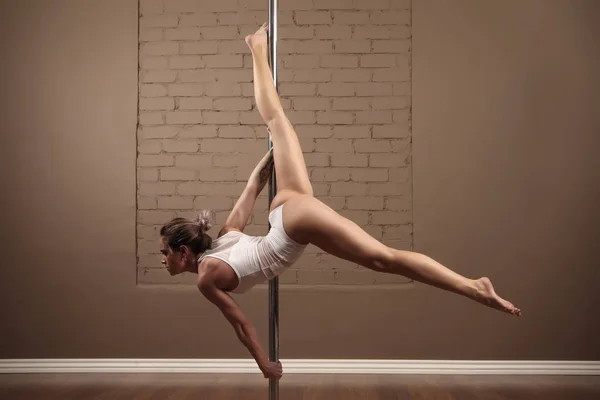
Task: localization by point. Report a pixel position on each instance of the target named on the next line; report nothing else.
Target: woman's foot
(258, 39)
(486, 295)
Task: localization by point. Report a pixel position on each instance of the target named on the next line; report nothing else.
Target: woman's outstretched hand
(272, 370)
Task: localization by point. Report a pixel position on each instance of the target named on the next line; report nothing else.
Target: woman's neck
(192, 266)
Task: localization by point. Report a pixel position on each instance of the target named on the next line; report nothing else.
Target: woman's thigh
(308, 220)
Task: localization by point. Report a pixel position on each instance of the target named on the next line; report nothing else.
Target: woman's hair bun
(204, 219)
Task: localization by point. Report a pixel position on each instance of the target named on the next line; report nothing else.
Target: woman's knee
(274, 118)
(382, 259)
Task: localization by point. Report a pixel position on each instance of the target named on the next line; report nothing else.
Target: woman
(234, 261)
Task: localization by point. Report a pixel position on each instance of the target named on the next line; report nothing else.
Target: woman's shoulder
(218, 272)
(226, 229)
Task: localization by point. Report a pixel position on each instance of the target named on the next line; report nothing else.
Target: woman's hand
(272, 370)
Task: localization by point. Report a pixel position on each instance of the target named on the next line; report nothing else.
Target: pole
(274, 283)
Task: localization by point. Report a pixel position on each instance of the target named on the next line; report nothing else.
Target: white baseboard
(300, 366)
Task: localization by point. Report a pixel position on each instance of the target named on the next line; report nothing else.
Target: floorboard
(295, 387)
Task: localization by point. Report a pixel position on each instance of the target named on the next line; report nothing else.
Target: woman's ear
(185, 251)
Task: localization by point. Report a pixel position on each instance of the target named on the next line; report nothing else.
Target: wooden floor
(295, 387)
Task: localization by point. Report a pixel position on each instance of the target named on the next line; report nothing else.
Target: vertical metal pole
(274, 283)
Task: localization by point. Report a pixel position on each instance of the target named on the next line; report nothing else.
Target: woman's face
(170, 259)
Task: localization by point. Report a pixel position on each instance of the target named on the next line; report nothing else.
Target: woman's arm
(241, 324)
(262, 172)
(243, 327)
(238, 218)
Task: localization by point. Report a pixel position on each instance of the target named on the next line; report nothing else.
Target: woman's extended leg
(290, 167)
(314, 222)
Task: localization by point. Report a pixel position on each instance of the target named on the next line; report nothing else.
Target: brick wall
(344, 80)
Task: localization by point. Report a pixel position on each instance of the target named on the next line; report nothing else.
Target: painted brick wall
(344, 80)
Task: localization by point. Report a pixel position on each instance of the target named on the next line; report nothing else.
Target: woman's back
(256, 259)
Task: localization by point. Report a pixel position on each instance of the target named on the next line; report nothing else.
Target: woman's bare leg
(314, 222)
(308, 220)
(290, 167)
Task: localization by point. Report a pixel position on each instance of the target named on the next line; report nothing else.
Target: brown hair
(184, 232)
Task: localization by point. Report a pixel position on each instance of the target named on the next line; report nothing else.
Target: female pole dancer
(234, 261)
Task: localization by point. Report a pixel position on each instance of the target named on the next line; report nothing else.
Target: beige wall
(344, 71)
(506, 135)
(70, 79)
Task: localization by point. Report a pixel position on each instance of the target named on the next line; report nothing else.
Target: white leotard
(256, 259)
